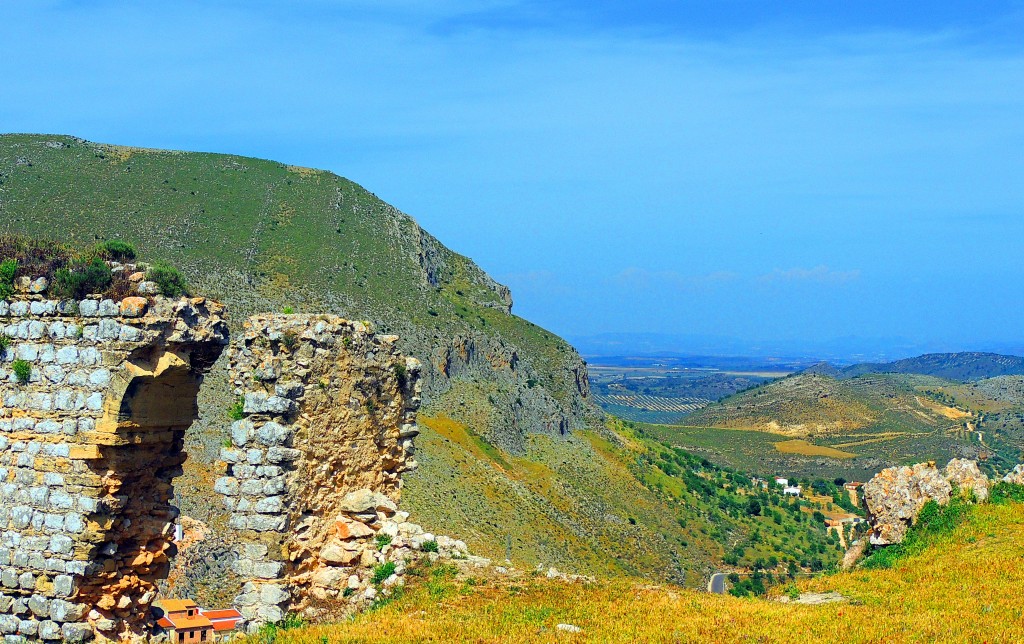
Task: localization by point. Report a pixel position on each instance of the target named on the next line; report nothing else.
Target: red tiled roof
(223, 620)
(178, 622)
(222, 614)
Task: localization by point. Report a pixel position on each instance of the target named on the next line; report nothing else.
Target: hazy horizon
(784, 175)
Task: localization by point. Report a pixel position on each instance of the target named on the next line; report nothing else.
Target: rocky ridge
(894, 497)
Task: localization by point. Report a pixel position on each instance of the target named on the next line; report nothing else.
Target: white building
(792, 489)
(782, 482)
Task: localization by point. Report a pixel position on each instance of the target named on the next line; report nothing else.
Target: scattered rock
(133, 307)
(349, 529)
(364, 501)
(815, 599)
(854, 553)
(965, 475)
(568, 628)
(148, 288)
(1016, 477)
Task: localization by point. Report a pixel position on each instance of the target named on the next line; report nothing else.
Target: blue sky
(780, 172)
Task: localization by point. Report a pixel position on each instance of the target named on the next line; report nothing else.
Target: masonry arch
(139, 440)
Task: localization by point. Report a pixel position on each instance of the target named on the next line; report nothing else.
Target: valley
(515, 321)
(833, 421)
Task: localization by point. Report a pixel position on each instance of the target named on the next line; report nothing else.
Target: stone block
(133, 307)
(272, 434)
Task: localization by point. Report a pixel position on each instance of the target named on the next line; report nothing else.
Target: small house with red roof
(186, 623)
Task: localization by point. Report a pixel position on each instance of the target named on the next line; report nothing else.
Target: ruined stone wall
(92, 440)
(329, 413)
(90, 443)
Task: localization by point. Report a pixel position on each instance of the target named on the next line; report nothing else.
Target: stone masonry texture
(328, 409)
(90, 442)
(95, 398)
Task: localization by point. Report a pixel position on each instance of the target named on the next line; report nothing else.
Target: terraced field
(651, 409)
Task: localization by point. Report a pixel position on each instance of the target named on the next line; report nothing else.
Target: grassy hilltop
(263, 236)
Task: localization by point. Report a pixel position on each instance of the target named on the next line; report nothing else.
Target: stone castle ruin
(95, 398)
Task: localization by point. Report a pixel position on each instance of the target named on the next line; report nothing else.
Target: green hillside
(682, 516)
(262, 236)
(512, 457)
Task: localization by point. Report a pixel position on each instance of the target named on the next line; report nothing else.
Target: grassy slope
(964, 587)
(259, 235)
(608, 503)
(961, 367)
(809, 405)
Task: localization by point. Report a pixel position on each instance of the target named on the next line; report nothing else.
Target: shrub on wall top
(169, 279)
(81, 279)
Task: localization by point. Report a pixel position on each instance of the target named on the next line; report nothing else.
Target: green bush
(1003, 492)
(383, 571)
(430, 546)
(115, 250)
(933, 521)
(8, 268)
(383, 540)
(237, 410)
(81, 279)
(288, 310)
(290, 340)
(168, 279)
(5, 342)
(22, 371)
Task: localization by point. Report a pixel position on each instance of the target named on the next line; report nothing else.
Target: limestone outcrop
(1015, 476)
(894, 497)
(95, 396)
(965, 475)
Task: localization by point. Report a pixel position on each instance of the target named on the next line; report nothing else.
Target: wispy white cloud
(821, 274)
(641, 278)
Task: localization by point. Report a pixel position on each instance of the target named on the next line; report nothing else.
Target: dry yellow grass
(946, 411)
(804, 448)
(966, 588)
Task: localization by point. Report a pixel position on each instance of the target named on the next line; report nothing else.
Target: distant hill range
(933, 406)
(968, 366)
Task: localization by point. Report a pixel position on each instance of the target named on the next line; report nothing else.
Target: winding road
(717, 583)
